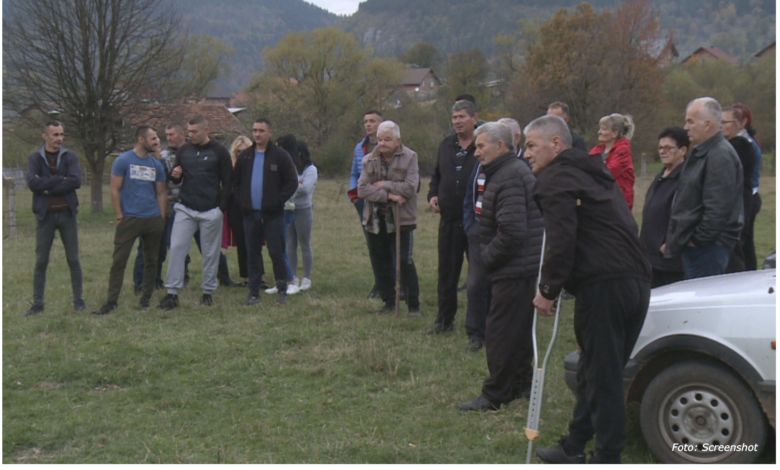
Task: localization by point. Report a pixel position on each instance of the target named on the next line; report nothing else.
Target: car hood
(747, 288)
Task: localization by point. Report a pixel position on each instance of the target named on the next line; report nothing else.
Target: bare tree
(93, 60)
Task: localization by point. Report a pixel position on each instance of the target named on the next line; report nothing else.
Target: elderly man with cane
(389, 177)
(593, 250)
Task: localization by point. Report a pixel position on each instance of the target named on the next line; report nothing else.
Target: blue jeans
(704, 261)
(66, 223)
(289, 216)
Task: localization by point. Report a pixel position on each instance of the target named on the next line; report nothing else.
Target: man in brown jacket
(390, 176)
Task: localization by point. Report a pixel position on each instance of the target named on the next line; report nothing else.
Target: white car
(703, 368)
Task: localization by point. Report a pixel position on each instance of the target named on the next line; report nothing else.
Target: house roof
(713, 51)
(767, 48)
(221, 120)
(415, 76)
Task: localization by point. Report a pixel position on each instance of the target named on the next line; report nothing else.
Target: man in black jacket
(510, 245)
(264, 178)
(448, 189)
(53, 175)
(204, 168)
(592, 250)
(561, 109)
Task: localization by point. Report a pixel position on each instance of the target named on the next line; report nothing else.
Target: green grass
(316, 381)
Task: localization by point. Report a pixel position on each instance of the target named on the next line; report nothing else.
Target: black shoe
(264, 285)
(386, 308)
(107, 307)
(206, 300)
(475, 344)
(170, 301)
(556, 454)
(186, 279)
(223, 276)
(143, 304)
(79, 305)
(438, 328)
(521, 392)
(374, 293)
(479, 403)
(159, 284)
(36, 308)
(414, 312)
(281, 298)
(137, 290)
(251, 300)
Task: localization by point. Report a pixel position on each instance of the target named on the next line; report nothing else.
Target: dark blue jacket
(44, 184)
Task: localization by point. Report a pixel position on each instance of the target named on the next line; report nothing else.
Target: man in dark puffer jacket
(593, 250)
(510, 241)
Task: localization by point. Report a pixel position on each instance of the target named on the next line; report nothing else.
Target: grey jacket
(707, 208)
(44, 184)
(511, 224)
(403, 178)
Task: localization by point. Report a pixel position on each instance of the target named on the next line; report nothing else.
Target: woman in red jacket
(615, 132)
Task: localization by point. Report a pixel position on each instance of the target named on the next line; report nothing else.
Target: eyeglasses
(667, 148)
(726, 122)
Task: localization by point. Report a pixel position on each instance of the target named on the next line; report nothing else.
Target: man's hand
(544, 307)
(176, 172)
(663, 248)
(379, 184)
(691, 244)
(400, 200)
(434, 202)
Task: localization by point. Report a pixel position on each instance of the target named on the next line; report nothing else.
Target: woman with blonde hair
(615, 132)
(233, 224)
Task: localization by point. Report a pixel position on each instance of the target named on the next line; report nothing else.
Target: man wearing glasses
(454, 164)
(673, 144)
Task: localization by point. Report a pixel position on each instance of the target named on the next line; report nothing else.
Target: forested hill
(740, 27)
(251, 25)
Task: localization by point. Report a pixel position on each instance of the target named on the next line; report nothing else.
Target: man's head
(388, 138)
(174, 135)
(372, 119)
(560, 109)
(702, 119)
(673, 144)
(466, 97)
(262, 132)
(53, 133)
(146, 140)
(514, 127)
(198, 128)
(493, 139)
(464, 117)
(545, 138)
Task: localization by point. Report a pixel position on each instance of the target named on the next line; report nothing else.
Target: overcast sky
(339, 7)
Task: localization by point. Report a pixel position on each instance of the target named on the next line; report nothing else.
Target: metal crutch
(537, 386)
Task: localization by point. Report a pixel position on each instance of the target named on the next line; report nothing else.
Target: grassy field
(316, 381)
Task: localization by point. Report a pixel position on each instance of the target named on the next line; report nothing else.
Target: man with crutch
(510, 241)
(593, 250)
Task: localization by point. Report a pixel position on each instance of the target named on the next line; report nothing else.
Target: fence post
(10, 183)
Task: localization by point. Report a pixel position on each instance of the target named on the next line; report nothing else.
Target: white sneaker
(292, 289)
(305, 283)
(272, 290)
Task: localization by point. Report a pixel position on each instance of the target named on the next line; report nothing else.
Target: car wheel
(694, 405)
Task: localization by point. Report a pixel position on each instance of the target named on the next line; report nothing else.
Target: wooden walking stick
(397, 220)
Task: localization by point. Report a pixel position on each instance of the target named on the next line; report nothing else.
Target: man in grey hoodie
(53, 175)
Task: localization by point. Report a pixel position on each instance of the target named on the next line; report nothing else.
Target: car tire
(697, 403)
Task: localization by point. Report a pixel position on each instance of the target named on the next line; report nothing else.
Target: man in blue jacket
(53, 175)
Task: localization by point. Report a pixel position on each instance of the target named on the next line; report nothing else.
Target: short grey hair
(470, 108)
(496, 132)
(710, 108)
(389, 126)
(549, 126)
(512, 124)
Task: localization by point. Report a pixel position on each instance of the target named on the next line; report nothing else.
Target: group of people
(498, 205)
(257, 193)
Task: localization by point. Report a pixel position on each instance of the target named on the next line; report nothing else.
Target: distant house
(421, 82)
(223, 125)
(767, 52)
(219, 94)
(709, 53)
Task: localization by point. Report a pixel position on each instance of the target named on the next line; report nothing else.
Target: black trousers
(662, 278)
(508, 339)
(751, 263)
(236, 221)
(478, 288)
(258, 226)
(452, 245)
(608, 317)
(382, 246)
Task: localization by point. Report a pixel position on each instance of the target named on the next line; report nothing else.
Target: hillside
(740, 27)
